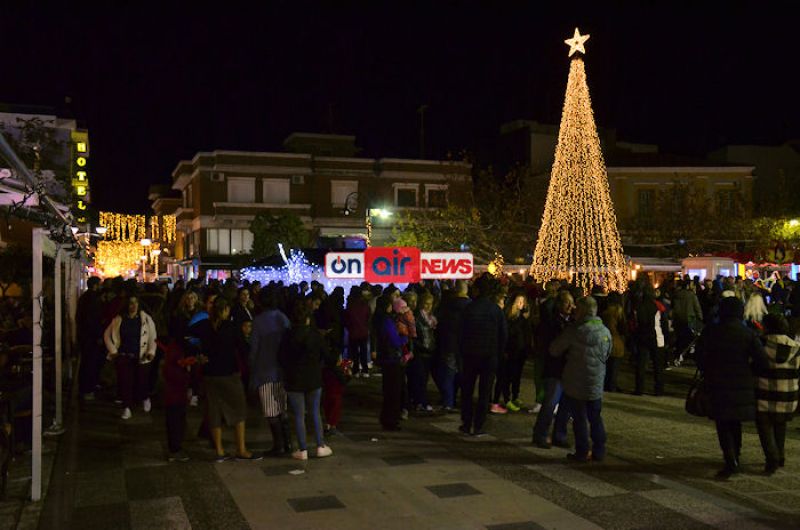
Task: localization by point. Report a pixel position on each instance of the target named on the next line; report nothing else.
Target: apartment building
(319, 178)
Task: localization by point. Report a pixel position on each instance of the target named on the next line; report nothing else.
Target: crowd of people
(293, 349)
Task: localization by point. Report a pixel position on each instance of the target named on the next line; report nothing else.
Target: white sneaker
(147, 405)
(300, 455)
(365, 375)
(193, 402)
(126, 414)
(536, 408)
(324, 451)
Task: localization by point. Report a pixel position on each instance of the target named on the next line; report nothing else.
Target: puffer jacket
(586, 346)
(777, 391)
(724, 353)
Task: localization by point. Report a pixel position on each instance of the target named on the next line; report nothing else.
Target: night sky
(156, 85)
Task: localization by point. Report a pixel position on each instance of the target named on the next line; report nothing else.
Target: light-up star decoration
(576, 43)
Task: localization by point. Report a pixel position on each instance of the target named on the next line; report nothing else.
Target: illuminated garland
(133, 228)
(115, 258)
(578, 238)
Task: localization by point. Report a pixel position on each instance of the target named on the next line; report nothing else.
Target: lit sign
(80, 173)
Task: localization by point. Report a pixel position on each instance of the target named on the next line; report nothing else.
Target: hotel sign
(80, 173)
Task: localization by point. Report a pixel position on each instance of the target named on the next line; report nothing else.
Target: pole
(421, 110)
(37, 299)
(368, 222)
(57, 427)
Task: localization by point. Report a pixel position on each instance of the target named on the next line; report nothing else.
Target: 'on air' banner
(398, 265)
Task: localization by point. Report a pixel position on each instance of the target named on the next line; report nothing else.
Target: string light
(120, 252)
(578, 238)
(296, 269)
(115, 258)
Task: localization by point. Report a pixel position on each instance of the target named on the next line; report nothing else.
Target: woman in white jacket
(131, 343)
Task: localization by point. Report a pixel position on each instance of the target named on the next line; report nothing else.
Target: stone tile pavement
(658, 474)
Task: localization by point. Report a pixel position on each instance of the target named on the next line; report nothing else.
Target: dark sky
(155, 85)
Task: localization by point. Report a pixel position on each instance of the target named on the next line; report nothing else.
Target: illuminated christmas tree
(578, 238)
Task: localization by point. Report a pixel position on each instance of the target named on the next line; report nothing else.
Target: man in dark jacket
(725, 352)
(646, 336)
(553, 367)
(482, 340)
(586, 344)
(448, 359)
(90, 337)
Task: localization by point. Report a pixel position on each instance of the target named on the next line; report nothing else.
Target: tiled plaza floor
(659, 474)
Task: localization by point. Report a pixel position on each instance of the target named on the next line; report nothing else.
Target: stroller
(686, 353)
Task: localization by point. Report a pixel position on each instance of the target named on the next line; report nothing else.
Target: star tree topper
(576, 43)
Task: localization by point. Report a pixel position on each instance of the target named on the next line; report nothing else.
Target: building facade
(62, 165)
(638, 174)
(319, 179)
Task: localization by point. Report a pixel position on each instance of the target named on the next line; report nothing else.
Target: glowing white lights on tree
(578, 238)
(295, 269)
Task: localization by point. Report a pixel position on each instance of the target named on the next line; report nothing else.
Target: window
(276, 191)
(405, 195)
(241, 189)
(647, 199)
(226, 242)
(436, 196)
(340, 190)
(726, 201)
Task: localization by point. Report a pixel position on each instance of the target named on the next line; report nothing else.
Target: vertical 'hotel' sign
(80, 172)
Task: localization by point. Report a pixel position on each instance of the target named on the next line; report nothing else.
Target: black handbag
(698, 402)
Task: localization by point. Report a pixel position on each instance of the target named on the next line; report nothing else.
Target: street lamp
(156, 252)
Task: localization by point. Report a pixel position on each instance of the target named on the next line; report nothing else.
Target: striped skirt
(273, 399)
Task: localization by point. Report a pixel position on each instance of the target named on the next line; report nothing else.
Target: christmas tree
(578, 239)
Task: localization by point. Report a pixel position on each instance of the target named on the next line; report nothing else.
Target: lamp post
(351, 205)
(145, 244)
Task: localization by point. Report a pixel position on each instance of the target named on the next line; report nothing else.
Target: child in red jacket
(176, 385)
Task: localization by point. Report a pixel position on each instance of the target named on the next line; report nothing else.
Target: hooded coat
(726, 353)
(586, 346)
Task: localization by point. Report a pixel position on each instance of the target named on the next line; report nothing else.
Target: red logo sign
(392, 265)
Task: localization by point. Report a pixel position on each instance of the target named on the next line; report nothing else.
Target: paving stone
(276, 471)
(157, 514)
(102, 517)
(101, 488)
(312, 504)
(528, 525)
(456, 489)
(701, 510)
(578, 480)
(403, 460)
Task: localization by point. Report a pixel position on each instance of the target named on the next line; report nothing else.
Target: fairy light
(296, 269)
(578, 238)
(121, 250)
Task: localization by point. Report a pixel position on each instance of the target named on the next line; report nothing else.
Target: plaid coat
(777, 391)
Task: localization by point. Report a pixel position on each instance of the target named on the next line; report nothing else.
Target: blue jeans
(586, 419)
(553, 393)
(298, 402)
(446, 380)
